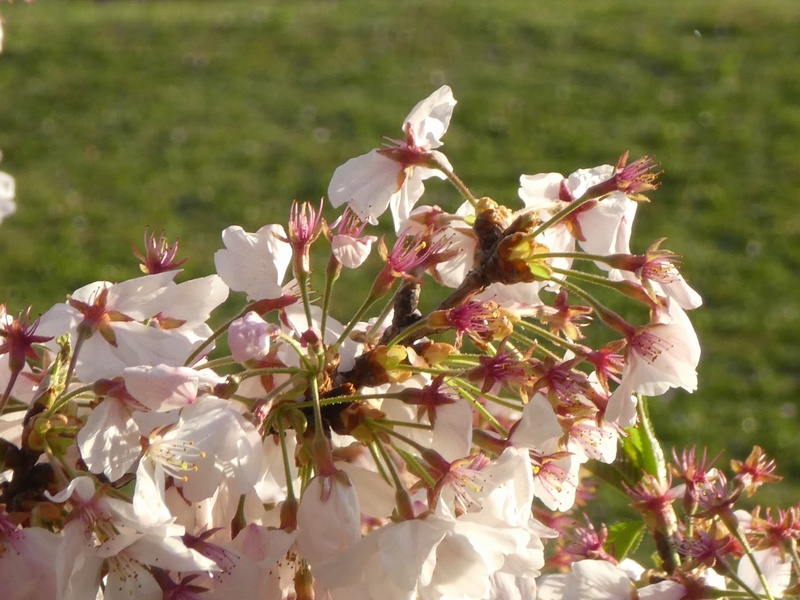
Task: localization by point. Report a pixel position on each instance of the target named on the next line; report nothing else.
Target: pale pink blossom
(329, 518)
(775, 564)
(588, 580)
(538, 428)
(658, 357)
(600, 227)
(188, 306)
(27, 560)
(249, 337)
(435, 557)
(254, 263)
(557, 479)
(452, 231)
(589, 439)
(162, 387)
(392, 177)
(112, 318)
(110, 440)
(349, 244)
(210, 441)
(107, 535)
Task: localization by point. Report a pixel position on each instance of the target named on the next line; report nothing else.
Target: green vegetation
(193, 115)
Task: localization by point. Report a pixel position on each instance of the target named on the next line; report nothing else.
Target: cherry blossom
(254, 263)
(392, 177)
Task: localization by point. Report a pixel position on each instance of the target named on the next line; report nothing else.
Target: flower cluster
(394, 453)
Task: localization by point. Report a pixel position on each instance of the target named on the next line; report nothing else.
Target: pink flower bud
(248, 337)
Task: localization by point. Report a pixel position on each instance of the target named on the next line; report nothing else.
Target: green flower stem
(404, 507)
(385, 428)
(415, 466)
(300, 352)
(482, 410)
(214, 335)
(216, 363)
(331, 276)
(420, 326)
(290, 497)
(747, 591)
(268, 371)
(464, 360)
(733, 526)
(376, 457)
(408, 424)
(590, 278)
(83, 335)
(62, 401)
(494, 398)
(369, 301)
(302, 279)
(382, 315)
(520, 337)
(667, 521)
(575, 256)
(551, 337)
(9, 386)
(459, 185)
(560, 216)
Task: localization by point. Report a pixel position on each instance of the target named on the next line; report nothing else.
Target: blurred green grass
(187, 116)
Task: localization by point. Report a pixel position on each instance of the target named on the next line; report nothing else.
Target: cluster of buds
(391, 453)
(706, 546)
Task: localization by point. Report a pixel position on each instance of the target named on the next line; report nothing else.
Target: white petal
(329, 518)
(350, 251)
(194, 300)
(110, 441)
(254, 263)
(368, 183)
(430, 118)
(538, 427)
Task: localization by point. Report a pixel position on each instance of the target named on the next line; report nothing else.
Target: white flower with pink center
(392, 177)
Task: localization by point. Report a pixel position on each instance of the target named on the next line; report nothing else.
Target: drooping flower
(350, 247)
(392, 177)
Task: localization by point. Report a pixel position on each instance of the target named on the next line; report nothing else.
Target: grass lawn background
(190, 116)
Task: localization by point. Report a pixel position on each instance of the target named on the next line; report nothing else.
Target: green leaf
(642, 447)
(624, 537)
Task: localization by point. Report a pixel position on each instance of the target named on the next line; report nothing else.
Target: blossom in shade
(588, 580)
(328, 519)
(104, 536)
(27, 558)
(249, 337)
